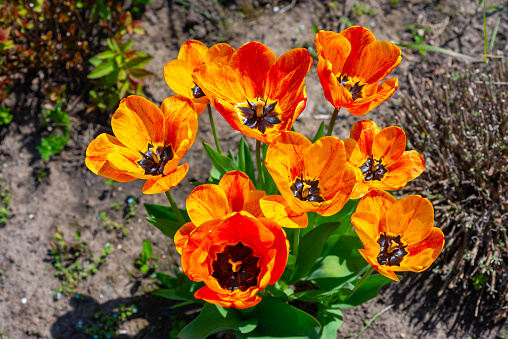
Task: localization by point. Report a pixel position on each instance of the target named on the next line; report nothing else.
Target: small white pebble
(372, 24)
(101, 296)
(119, 247)
(30, 216)
(322, 117)
(276, 9)
(139, 220)
(120, 188)
(24, 301)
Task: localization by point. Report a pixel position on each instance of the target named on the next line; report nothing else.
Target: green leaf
(270, 187)
(103, 69)
(167, 280)
(105, 55)
(114, 45)
(140, 73)
(320, 133)
(343, 216)
(185, 292)
(311, 246)
(369, 290)
(222, 163)
(245, 163)
(332, 320)
(342, 260)
(212, 320)
(139, 62)
(123, 90)
(164, 212)
(127, 46)
(147, 251)
(276, 319)
(168, 227)
(144, 268)
(437, 49)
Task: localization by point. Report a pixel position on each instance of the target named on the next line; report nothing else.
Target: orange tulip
(379, 159)
(228, 245)
(258, 94)
(351, 64)
(193, 53)
(148, 144)
(310, 178)
(397, 235)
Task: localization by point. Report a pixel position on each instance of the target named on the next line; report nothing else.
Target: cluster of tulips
(233, 235)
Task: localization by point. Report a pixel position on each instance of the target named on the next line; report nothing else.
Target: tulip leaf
(211, 321)
(343, 216)
(185, 292)
(276, 319)
(331, 319)
(165, 219)
(245, 163)
(340, 260)
(222, 163)
(320, 133)
(368, 290)
(270, 188)
(311, 246)
(168, 227)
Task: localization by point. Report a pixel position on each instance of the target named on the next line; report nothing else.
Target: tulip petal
(236, 186)
(252, 205)
(342, 195)
(378, 202)
(409, 166)
(380, 268)
(220, 53)
(225, 300)
(182, 236)
(367, 226)
(377, 60)
(333, 47)
(220, 81)
(358, 38)
(275, 207)
(127, 163)
(207, 202)
(335, 93)
(384, 92)
(181, 123)
(253, 61)
(364, 132)
(178, 76)
(280, 248)
(165, 183)
(389, 144)
(97, 157)
(412, 217)
(138, 122)
(425, 252)
(193, 52)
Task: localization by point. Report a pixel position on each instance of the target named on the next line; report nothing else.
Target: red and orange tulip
(258, 94)
(148, 144)
(193, 53)
(351, 65)
(310, 177)
(378, 158)
(397, 235)
(228, 246)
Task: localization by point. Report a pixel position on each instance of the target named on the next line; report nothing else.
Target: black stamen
(149, 162)
(390, 256)
(373, 169)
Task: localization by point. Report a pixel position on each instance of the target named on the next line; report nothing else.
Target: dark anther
(355, 90)
(197, 92)
(307, 190)
(259, 115)
(236, 268)
(373, 169)
(391, 250)
(155, 158)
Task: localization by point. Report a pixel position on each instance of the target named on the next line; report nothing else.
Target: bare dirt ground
(72, 198)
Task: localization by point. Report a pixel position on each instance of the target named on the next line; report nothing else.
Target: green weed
(146, 257)
(104, 326)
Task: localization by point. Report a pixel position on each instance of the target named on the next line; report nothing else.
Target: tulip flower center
(236, 268)
(353, 87)
(392, 250)
(259, 114)
(155, 158)
(197, 92)
(307, 190)
(373, 169)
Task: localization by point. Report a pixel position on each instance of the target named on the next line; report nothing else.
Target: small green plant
(118, 71)
(478, 280)
(121, 230)
(74, 261)
(418, 33)
(103, 325)
(146, 257)
(130, 210)
(112, 184)
(57, 122)
(5, 200)
(360, 9)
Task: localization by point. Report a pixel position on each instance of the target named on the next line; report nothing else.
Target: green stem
(213, 128)
(332, 122)
(296, 242)
(258, 164)
(175, 207)
(364, 277)
(485, 37)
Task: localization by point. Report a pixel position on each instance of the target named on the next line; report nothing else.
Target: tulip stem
(332, 122)
(364, 278)
(213, 128)
(258, 164)
(175, 208)
(296, 242)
